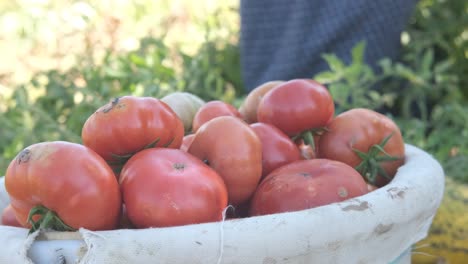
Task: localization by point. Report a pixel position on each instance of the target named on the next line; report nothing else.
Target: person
(282, 40)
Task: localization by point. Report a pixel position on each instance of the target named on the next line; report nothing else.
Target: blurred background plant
(60, 60)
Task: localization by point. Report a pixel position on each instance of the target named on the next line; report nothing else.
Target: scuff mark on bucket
(357, 207)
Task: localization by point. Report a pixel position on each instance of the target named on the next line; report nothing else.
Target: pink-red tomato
(306, 184)
(9, 218)
(129, 124)
(211, 110)
(68, 181)
(168, 187)
(353, 138)
(277, 148)
(296, 106)
(249, 106)
(231, 147)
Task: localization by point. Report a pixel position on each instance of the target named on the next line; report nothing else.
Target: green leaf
(357, 53)
(327, 77)
(335, 63)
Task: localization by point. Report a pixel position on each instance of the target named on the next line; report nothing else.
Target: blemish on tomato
(342, 192)
(24, 156)
(179, 166)
(113, 104)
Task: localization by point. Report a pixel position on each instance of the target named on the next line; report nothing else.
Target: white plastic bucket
(379, 227)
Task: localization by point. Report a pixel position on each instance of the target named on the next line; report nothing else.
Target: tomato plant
(211, 110)
(63, 186)
(277, 148)
(366, 140)
(297, 106)
(249, 106)
(169, 187)
(231, 147)
(128, 124)
(306, 184)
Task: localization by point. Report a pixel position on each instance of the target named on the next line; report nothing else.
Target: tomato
(168, 187)
(211, 110)
(297, 106)
(185, 105)
(65, 185)
(277, 148)
(186, 141)
(9, 218)
(129, 124)
(306, 184)
(231, 148)
(366, 140)
(249, 106)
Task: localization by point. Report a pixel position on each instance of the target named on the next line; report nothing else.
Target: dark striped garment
(284, 39)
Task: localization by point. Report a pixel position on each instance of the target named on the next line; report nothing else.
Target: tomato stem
(48, 220)
(309, 139)
(370, 166)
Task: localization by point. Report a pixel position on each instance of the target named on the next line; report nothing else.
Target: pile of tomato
(150, 162)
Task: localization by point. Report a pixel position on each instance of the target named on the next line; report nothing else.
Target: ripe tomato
(366, 140)
(129, 124)
(296, 106)
(169, 187)
(306, 184)
(249, 106)
(277, 148)
(231, 147)
(65, 181)
(211, 110)
(9, 218)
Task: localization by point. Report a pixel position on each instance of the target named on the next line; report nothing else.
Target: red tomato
(249, 106)
(186, 141)
(357, 138)
(168, 187)
(129, 124)
(277, 148)
(232, 149)
(69, 182)
(211, 110)
(306, 184)
(9, 218)
(296, 106)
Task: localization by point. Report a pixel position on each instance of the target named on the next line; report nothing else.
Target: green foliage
(441, 26)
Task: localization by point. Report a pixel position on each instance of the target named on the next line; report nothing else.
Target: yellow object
(447, 242)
